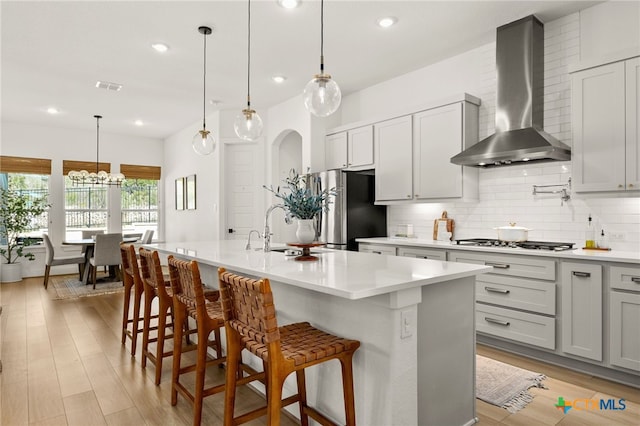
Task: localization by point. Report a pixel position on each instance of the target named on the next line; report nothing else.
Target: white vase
(11, 272)
(306, 232)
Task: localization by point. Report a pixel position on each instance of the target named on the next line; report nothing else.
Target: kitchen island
(414, 318)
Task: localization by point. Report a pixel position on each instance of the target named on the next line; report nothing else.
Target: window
(85, 208)
(28, 176)
(139, 206)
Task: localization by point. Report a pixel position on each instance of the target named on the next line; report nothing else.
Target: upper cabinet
(393, 151)
(350, 150)
(605, 118)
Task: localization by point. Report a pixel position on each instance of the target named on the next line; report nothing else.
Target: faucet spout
(248, 247)
(266, 246)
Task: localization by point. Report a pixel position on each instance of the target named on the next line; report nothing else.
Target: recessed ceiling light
(107, 85)
(160, 47)
(279, 78)
(139, 123)
(52, 110)
(387, 21)
(289, 4)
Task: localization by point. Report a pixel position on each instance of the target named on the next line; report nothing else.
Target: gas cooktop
(535, 245)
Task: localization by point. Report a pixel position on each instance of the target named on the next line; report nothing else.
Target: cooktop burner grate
(534, 245)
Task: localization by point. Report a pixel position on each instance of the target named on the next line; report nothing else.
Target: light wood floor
(63, 364)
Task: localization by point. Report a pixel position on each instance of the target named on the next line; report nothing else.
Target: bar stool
(191, 300)
(131, 280)
(250, 323)
(155, 286)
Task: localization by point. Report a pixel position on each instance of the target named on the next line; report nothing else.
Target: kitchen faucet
(248, 247)
(266, 246)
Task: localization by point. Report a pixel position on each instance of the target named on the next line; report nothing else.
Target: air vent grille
(108, 86)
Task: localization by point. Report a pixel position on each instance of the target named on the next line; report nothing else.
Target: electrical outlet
(406, 324)
(616, 236)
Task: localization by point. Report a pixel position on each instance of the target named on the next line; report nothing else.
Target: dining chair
(87, 234)
(147, 237)
(53, 260)
(106, 253)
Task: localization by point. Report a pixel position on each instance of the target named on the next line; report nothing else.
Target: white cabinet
(351, 150)
(335, 155)
(605, 154)
(582, 309)
(377, 249)
(439, 134)
(422, 253)
(393, 153)
(624, 317)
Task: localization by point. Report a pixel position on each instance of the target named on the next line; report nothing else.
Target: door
(243, 190)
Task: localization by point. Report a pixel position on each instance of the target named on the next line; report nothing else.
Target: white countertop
(602, 256)
(347, 274)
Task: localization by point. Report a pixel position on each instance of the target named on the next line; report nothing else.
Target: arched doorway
(287, 155)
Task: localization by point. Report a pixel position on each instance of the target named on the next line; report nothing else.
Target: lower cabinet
(524, 327)
(377, 249)
(422, 253)
(624, 317)
(582, 310)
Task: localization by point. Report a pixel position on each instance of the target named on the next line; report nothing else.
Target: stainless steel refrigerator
(352, 214)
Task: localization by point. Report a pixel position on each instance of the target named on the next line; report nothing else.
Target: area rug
(68, 287)
(504, 385)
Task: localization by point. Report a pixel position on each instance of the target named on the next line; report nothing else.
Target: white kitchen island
(414, 318)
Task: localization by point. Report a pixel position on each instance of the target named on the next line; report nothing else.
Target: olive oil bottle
(590, 235)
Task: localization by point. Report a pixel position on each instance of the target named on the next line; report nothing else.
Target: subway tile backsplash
(506, 194)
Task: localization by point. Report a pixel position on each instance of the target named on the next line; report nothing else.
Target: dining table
(88, 245)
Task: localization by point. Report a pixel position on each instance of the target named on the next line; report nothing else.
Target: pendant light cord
(321, 37)
(204, 85)
(248, 53)
(97, 143)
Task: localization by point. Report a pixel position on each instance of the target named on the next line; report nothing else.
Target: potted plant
(303, 204)
(17, 212)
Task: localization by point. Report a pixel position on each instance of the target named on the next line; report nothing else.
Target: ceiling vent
(108, 85)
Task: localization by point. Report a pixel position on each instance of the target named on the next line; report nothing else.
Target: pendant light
(248, 124)
(99, 177)
(203, 142)
(322, 95)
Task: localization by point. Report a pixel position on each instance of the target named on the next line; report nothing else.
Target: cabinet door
(360, 147)
(422, 253)
(633, 123)
(624, 316)
(377, 249)
(598, 119)
(335, 155)
(582, 310)
(394, 178)
(437, 136)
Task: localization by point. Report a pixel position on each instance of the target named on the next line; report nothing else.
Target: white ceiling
(54, 52)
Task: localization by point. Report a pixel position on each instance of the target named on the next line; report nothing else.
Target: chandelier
(99, 177)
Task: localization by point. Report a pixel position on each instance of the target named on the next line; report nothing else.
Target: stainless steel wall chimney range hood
(519, 105)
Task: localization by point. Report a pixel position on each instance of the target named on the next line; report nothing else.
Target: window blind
(132, 171)
(90, 166)
(39, 166)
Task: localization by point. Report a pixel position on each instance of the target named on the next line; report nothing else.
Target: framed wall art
(180, 194)
(190, 191)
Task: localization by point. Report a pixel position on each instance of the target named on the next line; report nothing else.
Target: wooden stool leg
(148, 299)
(125, 312)
(274, 397)
(137, 299)
(302, 391)
(233, 367)
(201, 367)
(162, 328)
(346, 363)
(179, 318)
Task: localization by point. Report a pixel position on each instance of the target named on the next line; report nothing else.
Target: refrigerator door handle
(318, 190)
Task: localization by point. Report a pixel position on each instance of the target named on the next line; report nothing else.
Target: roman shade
(39, 166)
(132, 171)
(90, 166)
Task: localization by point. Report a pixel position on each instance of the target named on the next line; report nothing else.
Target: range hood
(519, 103)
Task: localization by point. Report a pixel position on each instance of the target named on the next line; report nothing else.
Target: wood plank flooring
(63, 364)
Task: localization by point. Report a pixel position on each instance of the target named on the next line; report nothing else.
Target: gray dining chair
(90, 233)
(106, 253)
(53, 260)
(147, 237)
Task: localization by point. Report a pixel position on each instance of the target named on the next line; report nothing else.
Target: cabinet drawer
(522, 327)
(422, 253)
(529, 295)
(377, 249)
(622, 278)
(515, 266)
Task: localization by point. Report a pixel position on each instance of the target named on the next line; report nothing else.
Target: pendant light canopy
(99, 177)
(248, 124)
(322, 95)
(203, 142)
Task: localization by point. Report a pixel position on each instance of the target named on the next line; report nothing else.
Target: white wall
(506, 193)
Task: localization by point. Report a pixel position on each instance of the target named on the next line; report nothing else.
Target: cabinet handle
(581, 274)
(422, 257)
(409, 196)
(620, 186)
(495, 321)
(635, 280)
(498, 265)
(376, 252)
(630, 185)
(497, 290)
(417, 195)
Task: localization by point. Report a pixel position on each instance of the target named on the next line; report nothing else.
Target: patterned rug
(504, 385)
(68, 287)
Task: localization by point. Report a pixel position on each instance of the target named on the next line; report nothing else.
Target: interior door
(243, 190)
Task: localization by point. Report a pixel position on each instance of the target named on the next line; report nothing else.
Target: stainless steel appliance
(352, 214)
(534, 245)
(519, 135)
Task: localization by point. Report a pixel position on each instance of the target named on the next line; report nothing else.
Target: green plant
(299, 201)
(17, 212)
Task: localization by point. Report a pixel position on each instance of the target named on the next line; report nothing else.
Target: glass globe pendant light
(203, 142)
(322, 95)
(248, 124)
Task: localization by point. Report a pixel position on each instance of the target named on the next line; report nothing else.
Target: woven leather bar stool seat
(190, 300)
(250, 323)
(131, 280)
